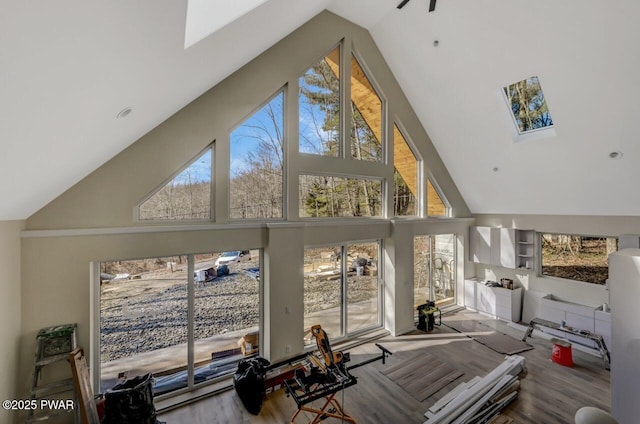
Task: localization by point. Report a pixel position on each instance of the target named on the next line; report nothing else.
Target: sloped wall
(106, 198)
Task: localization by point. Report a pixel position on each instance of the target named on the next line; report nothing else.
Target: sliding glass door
(342, 288)
(185, 319)
(434, 269)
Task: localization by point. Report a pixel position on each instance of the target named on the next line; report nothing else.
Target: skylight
(528, 106)
(204, 17)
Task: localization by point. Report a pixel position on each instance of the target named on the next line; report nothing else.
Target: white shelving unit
(525, 249)
(505, 247)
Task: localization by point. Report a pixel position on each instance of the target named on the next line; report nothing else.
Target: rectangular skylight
(528, 106)
(204, 17)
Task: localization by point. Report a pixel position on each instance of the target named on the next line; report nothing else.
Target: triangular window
(405, 176)
(319, 107)
(186, 197)
(366, 116)
(436, 204)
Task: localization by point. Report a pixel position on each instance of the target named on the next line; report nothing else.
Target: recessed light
(124, 113)
(615, 155)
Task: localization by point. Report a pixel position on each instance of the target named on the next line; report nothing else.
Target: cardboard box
(249, 343)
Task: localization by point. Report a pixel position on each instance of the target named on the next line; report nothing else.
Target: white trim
(305, 222)
(430, 220)
(436, 187)
(94, 325)
(79, 232)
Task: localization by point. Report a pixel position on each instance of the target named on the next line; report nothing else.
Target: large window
(325, 196)
(341, 288)
(434, 268)
(257, 164)
(319, 103)
(366, 117)
(145, 317)
(576, 257)
(187, 196)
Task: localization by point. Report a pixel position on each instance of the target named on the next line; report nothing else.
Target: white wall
(625, 369)
(10, 295)
(582, 293)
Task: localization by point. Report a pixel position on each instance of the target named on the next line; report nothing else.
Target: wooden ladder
(53, 345)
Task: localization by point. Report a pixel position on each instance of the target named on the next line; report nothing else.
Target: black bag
(249, 383)
(131, 402)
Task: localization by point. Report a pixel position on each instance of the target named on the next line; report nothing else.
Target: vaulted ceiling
(67, 68)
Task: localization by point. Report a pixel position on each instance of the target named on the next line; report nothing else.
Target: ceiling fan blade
(401, 5)
(432, 5)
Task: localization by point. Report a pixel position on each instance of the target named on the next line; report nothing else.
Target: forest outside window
(576, 257)
(257, 164)
(319, 107)
(366, 117)
(186, 197)
(326, 196)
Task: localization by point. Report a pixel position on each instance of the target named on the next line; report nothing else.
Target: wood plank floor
(550, 393)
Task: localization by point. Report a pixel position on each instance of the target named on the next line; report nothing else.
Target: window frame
(539, 257)
(285, 157)
(384, 110)
(421, 186)
(344, 301)
(448, 209)
(341, 87)
(96, 327)
(533, 134)
(383, 195)
(212, 185)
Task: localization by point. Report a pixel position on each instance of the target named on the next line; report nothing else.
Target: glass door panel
(143, 321)
(362, 286)
(323, 291)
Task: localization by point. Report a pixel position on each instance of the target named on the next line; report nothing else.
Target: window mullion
(343, 304)
(190, 321)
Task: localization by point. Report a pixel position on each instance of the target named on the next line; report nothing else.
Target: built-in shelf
(525, 246)
(505, 247)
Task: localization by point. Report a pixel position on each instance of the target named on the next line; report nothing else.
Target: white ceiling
(68, 67)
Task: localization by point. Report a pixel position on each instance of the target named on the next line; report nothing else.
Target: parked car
(233, 256)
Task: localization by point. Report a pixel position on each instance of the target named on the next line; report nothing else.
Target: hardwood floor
(550, 393)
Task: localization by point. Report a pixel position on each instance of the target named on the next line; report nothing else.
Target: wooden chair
(86, 401)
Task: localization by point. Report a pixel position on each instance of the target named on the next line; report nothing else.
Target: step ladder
(53, 345)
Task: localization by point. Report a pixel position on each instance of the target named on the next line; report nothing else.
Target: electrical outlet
(287, 348)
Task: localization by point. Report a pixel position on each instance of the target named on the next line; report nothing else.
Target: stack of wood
(480, 399)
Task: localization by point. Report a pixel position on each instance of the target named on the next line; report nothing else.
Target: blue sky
(199, 170)
(245, 138)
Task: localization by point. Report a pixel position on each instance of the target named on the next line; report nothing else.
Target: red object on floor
(561, 353)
